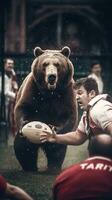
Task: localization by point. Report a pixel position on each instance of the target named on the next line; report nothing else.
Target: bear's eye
(57, 64)
(45, 64)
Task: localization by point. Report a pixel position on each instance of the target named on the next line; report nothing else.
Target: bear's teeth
(51, 87)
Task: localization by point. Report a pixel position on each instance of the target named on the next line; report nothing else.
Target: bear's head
(52, 69)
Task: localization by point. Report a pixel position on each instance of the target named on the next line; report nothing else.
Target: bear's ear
(38, 51)
(66, 51)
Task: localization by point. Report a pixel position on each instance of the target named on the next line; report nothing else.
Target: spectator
(96, 118)
(90, 179)
(12, 191)
(96, 70)
(10, 90)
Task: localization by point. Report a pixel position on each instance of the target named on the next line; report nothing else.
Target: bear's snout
(51, 77)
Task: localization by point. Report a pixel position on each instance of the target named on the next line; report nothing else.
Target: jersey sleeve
(104, 116)
(3, 186)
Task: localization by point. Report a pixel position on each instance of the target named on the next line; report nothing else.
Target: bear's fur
(46, 95)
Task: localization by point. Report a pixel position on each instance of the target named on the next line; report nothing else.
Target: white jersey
(10, 95)
(100, 115)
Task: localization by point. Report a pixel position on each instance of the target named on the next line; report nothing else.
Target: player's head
(100, 145)
(89, 84)
(85, 89)
(96, 67)
(8, 65)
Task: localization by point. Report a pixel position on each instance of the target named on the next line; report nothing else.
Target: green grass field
(39, 186)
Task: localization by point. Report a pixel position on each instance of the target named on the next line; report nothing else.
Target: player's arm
(72, 138)
(16, 193)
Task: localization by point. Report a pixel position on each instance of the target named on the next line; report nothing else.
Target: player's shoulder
(101, 107)
(104, 104)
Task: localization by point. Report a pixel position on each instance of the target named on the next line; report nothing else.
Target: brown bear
(46, 95)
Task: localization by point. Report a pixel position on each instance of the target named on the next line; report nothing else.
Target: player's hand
(13, 72)
(48, 137)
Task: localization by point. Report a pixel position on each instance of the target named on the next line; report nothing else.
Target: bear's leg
(55, 155)
(26, 153)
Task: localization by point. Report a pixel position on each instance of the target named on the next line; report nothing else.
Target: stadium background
(86, 27)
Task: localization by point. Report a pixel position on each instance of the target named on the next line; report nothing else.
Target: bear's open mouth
(51, 81)
(51, 86)
(51, 77)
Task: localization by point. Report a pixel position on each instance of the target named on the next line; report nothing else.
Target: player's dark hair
(88, 83)
(100, 145)
(94, 62)
(5, 59)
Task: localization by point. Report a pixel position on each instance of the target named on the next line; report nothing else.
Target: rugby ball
(33, 129)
